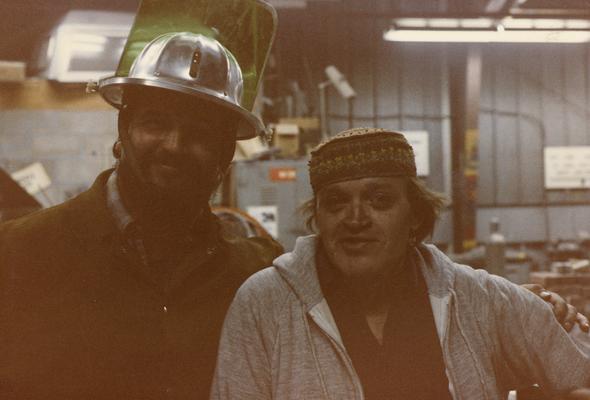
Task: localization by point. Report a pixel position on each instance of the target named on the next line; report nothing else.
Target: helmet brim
(112, 89)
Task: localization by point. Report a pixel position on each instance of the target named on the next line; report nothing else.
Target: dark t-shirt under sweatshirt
(409, 363)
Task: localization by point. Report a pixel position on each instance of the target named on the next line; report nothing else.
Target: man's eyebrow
(386, 186)
(330, 190)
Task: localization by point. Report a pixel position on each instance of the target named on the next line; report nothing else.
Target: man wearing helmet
(120, 293)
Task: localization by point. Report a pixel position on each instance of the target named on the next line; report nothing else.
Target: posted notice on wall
(419, 141)
(267, 216)
(567, 167)
(33, 178)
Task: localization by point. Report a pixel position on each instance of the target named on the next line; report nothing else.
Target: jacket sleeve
(534, 347)
(244, 358)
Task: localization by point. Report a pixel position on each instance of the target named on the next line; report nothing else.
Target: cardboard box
(250, 148)
(309, 135)
(286, 138)
(305, 123)
(12, 71)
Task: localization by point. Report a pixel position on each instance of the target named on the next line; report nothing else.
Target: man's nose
(172, 140)
(357, 216)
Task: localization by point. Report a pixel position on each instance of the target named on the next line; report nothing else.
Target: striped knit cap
(360, 153)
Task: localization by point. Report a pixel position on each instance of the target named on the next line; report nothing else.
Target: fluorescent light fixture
(577, 24)
(544, 23)
(411, 22)
(50, 48)
(339, 82)
(87, 43)
(480, 36)
(487, 30)
(89, 38)
(443, 22)
(476, 23)
(485, 23)
(517, 23)
(87, 48)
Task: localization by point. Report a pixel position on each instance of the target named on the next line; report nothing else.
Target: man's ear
(117, 149)
(123, 122)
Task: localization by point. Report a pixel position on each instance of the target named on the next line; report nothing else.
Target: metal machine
(272, 192)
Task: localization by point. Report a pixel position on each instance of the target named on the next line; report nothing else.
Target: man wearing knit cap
(366, 310)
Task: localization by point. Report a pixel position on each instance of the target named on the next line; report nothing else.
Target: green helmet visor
(245, 27)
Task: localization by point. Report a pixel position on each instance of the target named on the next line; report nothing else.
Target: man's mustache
(180, 162)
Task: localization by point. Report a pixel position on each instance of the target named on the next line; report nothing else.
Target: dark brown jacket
(79, 320)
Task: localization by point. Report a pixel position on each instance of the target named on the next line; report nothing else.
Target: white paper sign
(419, 141)
(267, 216)
(32, 178)
(567, 167)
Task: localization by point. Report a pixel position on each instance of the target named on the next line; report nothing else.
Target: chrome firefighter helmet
(191, 64)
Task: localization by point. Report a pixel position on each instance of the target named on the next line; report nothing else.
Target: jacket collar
(437, 268)
(299, 270)
(93, 226)
(115, 204)
(88, 216)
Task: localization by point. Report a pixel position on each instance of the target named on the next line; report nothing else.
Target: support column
(464, 92)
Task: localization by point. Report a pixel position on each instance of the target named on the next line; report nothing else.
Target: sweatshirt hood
(298, 269)
(437, 268)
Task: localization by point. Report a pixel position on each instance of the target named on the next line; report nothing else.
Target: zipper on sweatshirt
(344, 356)
(446, 351)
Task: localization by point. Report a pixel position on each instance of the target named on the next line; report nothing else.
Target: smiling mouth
(167, 172)
(169, 166)
(356, 242)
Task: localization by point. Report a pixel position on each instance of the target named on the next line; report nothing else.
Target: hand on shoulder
(566, 314)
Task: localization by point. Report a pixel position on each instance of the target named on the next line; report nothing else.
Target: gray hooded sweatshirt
(280, 340)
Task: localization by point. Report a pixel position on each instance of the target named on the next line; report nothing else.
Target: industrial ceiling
(24, 22)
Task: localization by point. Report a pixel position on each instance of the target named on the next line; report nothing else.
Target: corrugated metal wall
(532, 96)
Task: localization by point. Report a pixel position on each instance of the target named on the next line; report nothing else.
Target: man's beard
(175, 202)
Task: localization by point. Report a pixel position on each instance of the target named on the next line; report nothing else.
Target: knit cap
(361, 153)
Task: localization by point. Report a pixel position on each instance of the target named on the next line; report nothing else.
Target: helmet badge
(194, 69)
